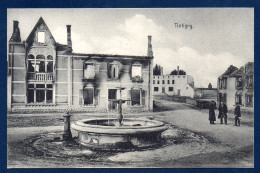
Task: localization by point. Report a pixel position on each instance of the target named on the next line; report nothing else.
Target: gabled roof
(40, 21)
(229, 71)
(239, 72)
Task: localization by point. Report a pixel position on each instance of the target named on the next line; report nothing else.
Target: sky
(218, 38)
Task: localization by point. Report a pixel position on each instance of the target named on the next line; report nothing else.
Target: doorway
(163, 89)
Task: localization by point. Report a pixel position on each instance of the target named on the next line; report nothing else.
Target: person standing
(212, 116)
(237, 115)
(222, 112)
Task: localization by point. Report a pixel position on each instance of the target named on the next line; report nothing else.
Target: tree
(175, 72)
(157, 70)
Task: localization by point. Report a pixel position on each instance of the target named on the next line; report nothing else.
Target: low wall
(64, 109)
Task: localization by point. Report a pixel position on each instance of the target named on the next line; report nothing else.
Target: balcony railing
(40, 76)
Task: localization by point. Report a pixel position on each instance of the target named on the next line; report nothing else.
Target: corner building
(45, 76)
(237, 86)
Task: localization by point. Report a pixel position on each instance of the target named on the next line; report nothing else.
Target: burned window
(239, 82)
(249, 100)
(39, 93)
(239, 99)
(113, 69)
(41, 37)
(153, 81)
(88, 96)
(223, 83)
(49, 64)
(135, 97)
(158, 82)
(163, 81)
(136, 70)
(172, 81)
(40, 64)
(31, 63)
(156, 89)
(89, 71)
(112, 96)
(250, 81)
(168, 81)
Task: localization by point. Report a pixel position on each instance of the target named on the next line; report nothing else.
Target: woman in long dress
(212, 116)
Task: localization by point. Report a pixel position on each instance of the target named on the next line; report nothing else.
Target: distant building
(237, 85)
(206, 93)
(182, 85)
(44, 75)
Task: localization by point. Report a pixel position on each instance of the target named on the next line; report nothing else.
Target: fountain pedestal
(67, 132)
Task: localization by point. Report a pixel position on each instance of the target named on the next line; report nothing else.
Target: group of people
(222, 108)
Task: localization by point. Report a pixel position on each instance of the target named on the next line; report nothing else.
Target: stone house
(181, 85)
(44, 75)
(237, 85)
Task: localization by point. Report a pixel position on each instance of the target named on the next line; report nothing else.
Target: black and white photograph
(130, 88)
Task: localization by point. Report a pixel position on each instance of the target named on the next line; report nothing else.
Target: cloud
(78, 43)
(169, 48)
(205, 68)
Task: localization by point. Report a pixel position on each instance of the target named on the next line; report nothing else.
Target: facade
(47, 76)
(237, 85)
(207, 93)
(182, 85)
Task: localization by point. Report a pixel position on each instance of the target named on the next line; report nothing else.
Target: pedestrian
(237, 114)
(222, 112)
(212, 116)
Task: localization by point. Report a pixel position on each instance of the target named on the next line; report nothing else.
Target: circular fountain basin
(103, 133)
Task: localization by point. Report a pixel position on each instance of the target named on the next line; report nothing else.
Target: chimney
(150, 49)
(178, 70)
(16, 33)
(69, 42)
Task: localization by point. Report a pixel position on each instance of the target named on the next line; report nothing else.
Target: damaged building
(237, 86)
(44, 75)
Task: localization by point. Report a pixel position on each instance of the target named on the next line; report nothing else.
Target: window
(113, 70)
(153, 81)
(249, 100)
(136, 70)
(112, 93)
(239, 82)
(250, 82)
(49, 64)
(163, 81)
(239, 99)
(40, 64)
(88, 96)
(41, 37)
(158, 82)
(135, 97)
(156, 89)
(187, 88)
(39, 93)
(168, 81)
(89, 71)
(223, 83)
(172, 81)
(170, 89)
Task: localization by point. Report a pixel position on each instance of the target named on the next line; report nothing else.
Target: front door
(112, 105)
(163, 89)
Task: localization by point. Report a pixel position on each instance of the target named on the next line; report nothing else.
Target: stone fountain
(118, 133)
